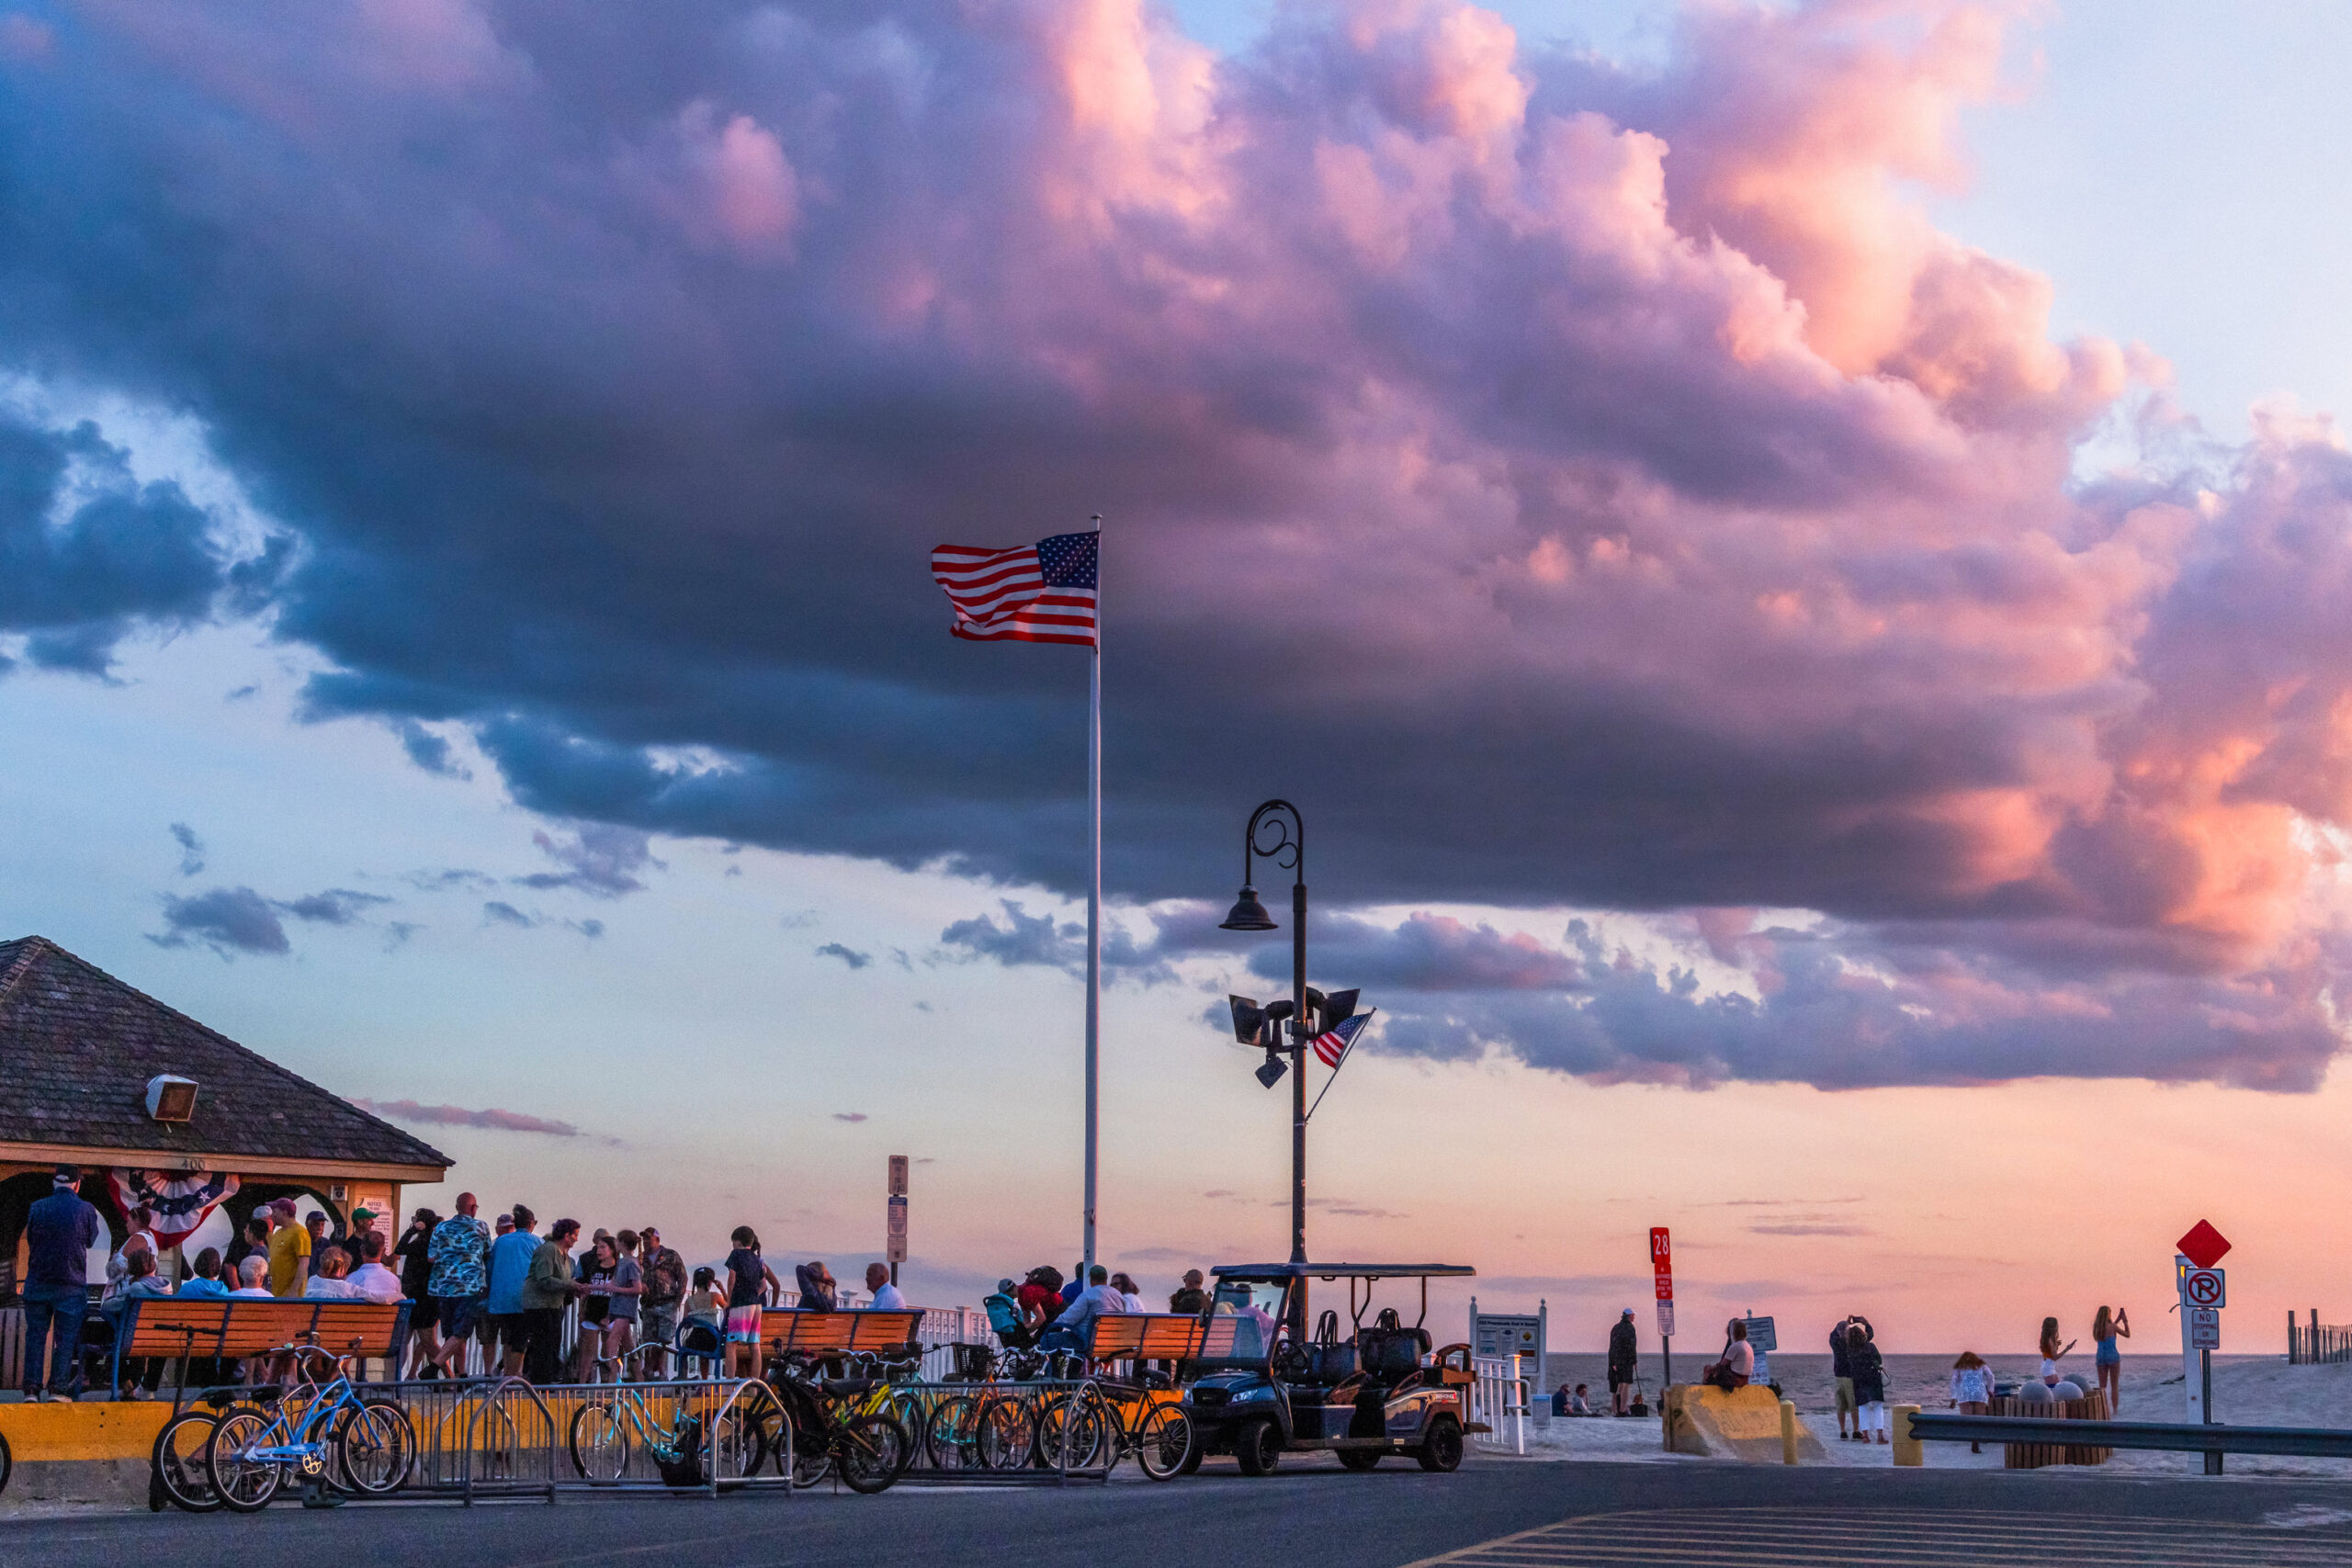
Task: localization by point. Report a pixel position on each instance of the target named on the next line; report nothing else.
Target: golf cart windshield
(1266, 1295)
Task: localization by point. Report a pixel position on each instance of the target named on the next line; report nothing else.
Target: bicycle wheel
(907, 1409)
(178, 1461)
(243, 1483)
(497, 1442)
(1007, 1433)
(374, 1448)
(1164, 1442)
(951, 1437)
(739, 1441)
(600, 1442)
(870, 1452)
(1073, 1428)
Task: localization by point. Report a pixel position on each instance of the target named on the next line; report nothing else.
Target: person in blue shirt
(1097, 1300)
(59, 1233)
(510, 1265)
(205, 1283)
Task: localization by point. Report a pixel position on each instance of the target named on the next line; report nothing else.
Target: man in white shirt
(252, 1279)
(371, 1282)
(1098, 1300)
(885, 1295)
(332, 1282)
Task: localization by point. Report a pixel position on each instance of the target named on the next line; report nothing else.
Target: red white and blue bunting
(179, 1200)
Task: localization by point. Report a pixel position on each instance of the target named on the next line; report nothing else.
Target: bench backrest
(1174, 1337)
(163, 1326)
(834, 1333)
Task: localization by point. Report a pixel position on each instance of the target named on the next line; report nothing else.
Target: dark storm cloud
(848, 955)
(87, 552)
(191, 849)
(1576, 489)
(226, 920)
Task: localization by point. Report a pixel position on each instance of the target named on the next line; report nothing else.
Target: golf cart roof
(1341, 1270)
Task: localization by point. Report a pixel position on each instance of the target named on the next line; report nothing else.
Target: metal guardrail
(2300, 1442)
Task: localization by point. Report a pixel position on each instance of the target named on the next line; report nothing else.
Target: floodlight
(1248, 1017)
(1269, 1072)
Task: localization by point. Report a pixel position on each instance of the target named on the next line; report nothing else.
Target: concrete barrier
(95, 1452)
(1743, 1424)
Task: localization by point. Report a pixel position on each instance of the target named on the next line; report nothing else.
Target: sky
(1791, 556)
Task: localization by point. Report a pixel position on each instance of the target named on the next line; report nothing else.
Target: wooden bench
(235, 1329)
(1174, 1337)
(836, 1333)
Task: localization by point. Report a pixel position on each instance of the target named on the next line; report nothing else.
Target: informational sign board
(1509, 1333)
(1662, 1262)
(898, 1234)
(1666, 1320)
(2204, 1328)
(898, 1176)
(2205, 1288)
(1762, 1334)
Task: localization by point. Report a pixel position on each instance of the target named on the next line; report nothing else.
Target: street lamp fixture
(1277, 833)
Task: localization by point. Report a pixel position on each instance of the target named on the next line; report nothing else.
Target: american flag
(1040, 592)
(1333, 1042)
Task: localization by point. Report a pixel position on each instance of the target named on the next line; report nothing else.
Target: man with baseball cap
(59, 1233)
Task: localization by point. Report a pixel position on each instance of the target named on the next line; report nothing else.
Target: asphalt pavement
(1307, 1515)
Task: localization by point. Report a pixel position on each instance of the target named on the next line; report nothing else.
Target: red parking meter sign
(1662, 1272)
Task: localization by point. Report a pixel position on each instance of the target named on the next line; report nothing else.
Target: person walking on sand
(2051, 1352)
(1971, 1389)
(2106, 1329)
(1624, 1356)
(1870, 1383)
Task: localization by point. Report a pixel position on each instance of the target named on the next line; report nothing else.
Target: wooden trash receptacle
(2092, 1406)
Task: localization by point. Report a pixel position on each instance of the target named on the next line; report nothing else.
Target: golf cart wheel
(1442, 1448)
(1359, 1459)
(1259, 1447)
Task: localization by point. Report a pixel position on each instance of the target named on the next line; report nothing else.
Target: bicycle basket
(972, 1363)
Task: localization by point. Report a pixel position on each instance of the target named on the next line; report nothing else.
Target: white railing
(1499, 1402)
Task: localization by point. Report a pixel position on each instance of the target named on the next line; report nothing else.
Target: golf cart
(1379, 1389)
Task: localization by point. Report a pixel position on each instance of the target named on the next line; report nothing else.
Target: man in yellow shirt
(290, 1251)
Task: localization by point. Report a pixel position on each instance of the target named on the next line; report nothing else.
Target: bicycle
(605, 1429)
(323, 1431)
(178, 1476)
(866, 1448)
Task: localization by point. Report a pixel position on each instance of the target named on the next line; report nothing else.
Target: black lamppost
(1287, 849)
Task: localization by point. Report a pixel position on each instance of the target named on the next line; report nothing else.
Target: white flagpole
(1094, 903)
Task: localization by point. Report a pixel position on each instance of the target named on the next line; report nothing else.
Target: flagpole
(1094, 903)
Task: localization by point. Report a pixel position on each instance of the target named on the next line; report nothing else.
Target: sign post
(1662, 1273)
(2204, 1290)
(895, 1236)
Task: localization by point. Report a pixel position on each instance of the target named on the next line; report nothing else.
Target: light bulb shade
(1248, 1017)
(1249, 915)
(1269, 1072)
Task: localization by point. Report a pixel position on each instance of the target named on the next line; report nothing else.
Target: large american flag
(1040, 592)
(1333, 1042)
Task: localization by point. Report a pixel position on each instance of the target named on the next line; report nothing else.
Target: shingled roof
(77, 1047)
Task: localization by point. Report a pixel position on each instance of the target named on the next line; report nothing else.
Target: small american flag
(1333, 1042)
(1040, 592)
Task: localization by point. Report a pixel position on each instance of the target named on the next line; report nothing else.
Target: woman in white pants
(1870, 1383)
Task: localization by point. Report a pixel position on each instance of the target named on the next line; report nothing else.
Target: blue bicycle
(321, 1430)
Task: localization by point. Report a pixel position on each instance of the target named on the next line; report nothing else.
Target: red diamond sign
(2203, 1246)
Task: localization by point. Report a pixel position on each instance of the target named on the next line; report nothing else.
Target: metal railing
(2319, 1345)
(1499, 1403)
(2302, 1442)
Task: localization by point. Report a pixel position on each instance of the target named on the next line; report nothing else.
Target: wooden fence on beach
(2319, 1344)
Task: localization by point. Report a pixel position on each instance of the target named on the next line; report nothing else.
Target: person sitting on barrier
(1738, 1360)
(2051, 1352)
(1869, 1382)
(1971, 1389)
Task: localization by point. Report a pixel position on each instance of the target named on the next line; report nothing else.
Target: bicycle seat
(221, 1398)
(261, 1393)
(847, 1388)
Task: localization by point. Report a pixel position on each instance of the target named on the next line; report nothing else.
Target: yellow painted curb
(111, 1430)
